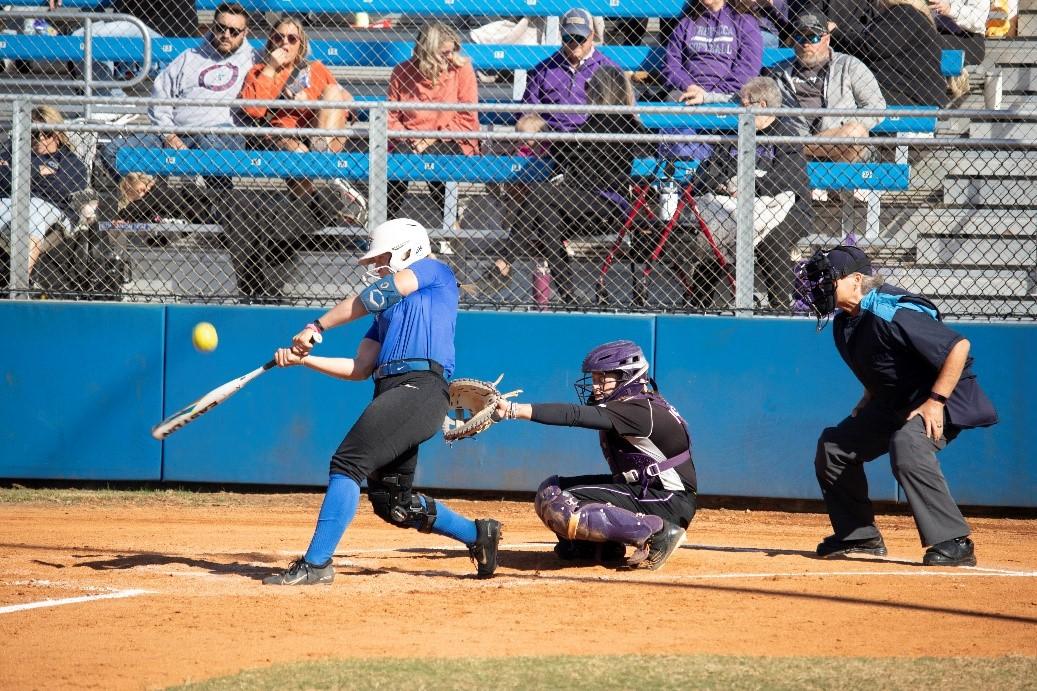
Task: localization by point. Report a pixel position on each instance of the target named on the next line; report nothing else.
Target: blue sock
(454, 525)
(338, 509)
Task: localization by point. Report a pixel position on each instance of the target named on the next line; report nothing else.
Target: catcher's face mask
(816, 278)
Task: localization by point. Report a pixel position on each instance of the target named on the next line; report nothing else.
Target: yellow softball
(204, 337)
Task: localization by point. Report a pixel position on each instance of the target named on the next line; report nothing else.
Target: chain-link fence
(211, 169)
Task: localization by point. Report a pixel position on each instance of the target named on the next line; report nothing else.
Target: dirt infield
(169, 592)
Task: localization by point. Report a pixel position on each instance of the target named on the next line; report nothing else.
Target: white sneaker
(353, 203)
(819, 195)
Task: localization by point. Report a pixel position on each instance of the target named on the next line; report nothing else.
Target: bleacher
(491, 169)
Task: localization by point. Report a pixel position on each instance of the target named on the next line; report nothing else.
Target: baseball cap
(576, 22)
(810, 21)
(846, 260)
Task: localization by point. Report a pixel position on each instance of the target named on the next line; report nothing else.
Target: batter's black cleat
(484, 551)
(832, 546)
(662, 544)
(302, 572)
(957, 552)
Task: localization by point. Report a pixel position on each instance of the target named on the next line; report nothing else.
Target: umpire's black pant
(842, 452)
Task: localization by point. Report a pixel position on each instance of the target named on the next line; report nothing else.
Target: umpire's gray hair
(870, 283)
(761, 89)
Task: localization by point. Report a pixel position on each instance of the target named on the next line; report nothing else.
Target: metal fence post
(88, 65)
(745, 265)
(378, 160)
(21, 176)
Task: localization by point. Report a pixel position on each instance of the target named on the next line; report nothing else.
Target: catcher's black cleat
(484, 551)
(832, 546)
(662, 544)
(301, 572)
(957, 552)
(605, 553)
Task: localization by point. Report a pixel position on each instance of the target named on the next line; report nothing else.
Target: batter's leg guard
(396, 504)
(595, 522)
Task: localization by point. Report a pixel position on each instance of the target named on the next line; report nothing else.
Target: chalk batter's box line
(117, 595)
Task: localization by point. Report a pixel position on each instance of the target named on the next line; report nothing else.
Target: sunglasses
(812, 39)
(278, 37)
(219, 29)
(573, 39)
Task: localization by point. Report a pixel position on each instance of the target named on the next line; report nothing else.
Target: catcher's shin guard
(596, 522)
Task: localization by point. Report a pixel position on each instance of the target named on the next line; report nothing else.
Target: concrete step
(1027, 5)
(976, 163)
(1019, 79)
(1012, 51)
(968, 191)
(1027, 23)
(1003, 130)
(1013, 102)
(991, 307)
(1021, 223)
(977, 252)
(962, 282)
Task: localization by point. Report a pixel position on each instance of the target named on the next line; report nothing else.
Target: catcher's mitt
(473, 402)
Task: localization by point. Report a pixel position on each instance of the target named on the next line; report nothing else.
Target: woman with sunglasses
(436, 73)
(285, 73)
(57, 173)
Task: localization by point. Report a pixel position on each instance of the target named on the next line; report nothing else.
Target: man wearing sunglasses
(819, 77)
(212, 71)
(562, 78)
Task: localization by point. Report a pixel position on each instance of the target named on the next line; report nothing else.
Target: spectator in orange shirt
(286, 74)
(436, 73)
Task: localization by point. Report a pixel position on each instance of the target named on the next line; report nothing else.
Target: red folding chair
(641, 192)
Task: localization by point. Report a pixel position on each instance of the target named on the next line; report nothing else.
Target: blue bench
(473, 169)
(365, 53)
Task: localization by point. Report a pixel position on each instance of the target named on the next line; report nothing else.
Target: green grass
(642, 672)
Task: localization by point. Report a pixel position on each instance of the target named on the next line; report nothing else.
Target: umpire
(919, 393)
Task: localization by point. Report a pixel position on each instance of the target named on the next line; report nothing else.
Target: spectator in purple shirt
(562, 78)
(714, 52)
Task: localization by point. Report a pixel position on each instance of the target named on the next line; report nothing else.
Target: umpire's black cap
(846, 260)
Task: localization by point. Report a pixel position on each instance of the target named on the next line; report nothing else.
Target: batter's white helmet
(404, 239)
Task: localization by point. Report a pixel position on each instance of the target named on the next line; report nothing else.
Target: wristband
(939, 398)
(510, 415)
(317, 325)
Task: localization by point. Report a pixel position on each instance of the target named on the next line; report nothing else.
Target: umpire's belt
(394, 367)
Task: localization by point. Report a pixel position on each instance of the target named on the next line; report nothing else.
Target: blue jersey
(421, 325)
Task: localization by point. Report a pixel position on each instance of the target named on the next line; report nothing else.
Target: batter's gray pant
(842, 452)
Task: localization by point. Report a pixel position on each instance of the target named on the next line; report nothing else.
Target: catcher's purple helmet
(625, 359)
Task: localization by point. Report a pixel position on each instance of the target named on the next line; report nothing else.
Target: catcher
(648, 500)
(409, 351)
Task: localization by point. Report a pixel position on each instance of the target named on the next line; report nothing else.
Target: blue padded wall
(81, 387)
(540, 354)
(998, 465)
(280, 429)
(756, 394)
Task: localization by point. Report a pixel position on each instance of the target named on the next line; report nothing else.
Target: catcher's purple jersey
(421, 325)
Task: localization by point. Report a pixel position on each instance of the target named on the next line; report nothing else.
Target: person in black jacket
(919, 393)
(903, 49)
(781, 209)
(56, 174)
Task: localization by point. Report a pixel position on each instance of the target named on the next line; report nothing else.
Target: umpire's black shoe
(662, 544)
(484, 551)
(957, 552)
(832, 546)
(302, 572)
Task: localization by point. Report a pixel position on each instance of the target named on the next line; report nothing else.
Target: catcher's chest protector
(629, 456)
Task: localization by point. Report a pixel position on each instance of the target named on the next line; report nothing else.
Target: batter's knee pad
(396, 504)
